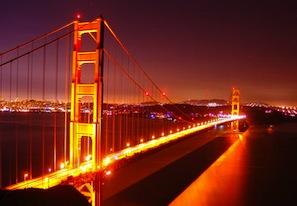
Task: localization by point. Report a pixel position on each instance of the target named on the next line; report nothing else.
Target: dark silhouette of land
(58, 196)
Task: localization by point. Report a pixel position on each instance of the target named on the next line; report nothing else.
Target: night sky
(194, 49)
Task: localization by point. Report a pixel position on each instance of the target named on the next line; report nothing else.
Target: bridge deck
(57, 177)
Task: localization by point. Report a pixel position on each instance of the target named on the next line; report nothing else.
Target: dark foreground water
(258, 169)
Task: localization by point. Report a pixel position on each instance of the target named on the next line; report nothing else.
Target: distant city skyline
(193, 50)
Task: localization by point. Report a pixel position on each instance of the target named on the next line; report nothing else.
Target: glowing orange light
(146, 93)
(108, 172)
(189, 126)
(78, 16)
(153, 137)
(49, 169)
(170, 131)
(26, 175)
(163, 93)
(106, 161)
(62, 165)
(141, 140)
(177, 129)
(128, 144)
(110, 149)
(162, 134)
(88, 157)
(184, 128)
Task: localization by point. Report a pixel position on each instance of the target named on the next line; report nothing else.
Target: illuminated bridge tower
(235, 102)
(235, 107)
(90, 91)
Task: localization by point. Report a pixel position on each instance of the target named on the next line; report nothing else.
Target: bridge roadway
(57, 177)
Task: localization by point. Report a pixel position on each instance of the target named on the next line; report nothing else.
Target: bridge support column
(86, 97)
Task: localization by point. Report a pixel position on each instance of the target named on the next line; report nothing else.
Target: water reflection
(222, 183)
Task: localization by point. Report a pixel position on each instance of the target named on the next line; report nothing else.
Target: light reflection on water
(222, 183)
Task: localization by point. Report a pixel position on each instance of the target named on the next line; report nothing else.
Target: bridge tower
(235, 101)
(235, 107)
(90, 91)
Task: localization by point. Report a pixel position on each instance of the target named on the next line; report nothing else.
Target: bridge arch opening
(89, 42)
(87, 73)
(86, 104)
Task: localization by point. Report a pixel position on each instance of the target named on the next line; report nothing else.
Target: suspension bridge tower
(90, 91)
(235, 107)
(235, 101)
(93, 92)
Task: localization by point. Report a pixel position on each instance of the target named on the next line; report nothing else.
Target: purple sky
(192, 49)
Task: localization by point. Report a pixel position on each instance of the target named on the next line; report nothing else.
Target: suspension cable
(37, 38)
(35, 49)
(120, 43)
(123, 69)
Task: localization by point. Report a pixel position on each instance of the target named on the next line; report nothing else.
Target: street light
(62, 165)
(88, 158)
(26, 175)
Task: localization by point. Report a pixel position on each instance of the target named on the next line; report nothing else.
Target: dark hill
(58, 196)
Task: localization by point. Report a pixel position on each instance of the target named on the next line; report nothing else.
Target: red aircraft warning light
(78, 16)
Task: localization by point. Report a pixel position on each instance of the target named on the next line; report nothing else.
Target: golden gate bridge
(75, 103)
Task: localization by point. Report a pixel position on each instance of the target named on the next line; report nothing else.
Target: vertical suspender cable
(106, 103)
(10, 82)
(44, 115)
(28, 117)
(16, 131)
(30, 79)
(17, 74)
(67, 71)
(56, 100)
